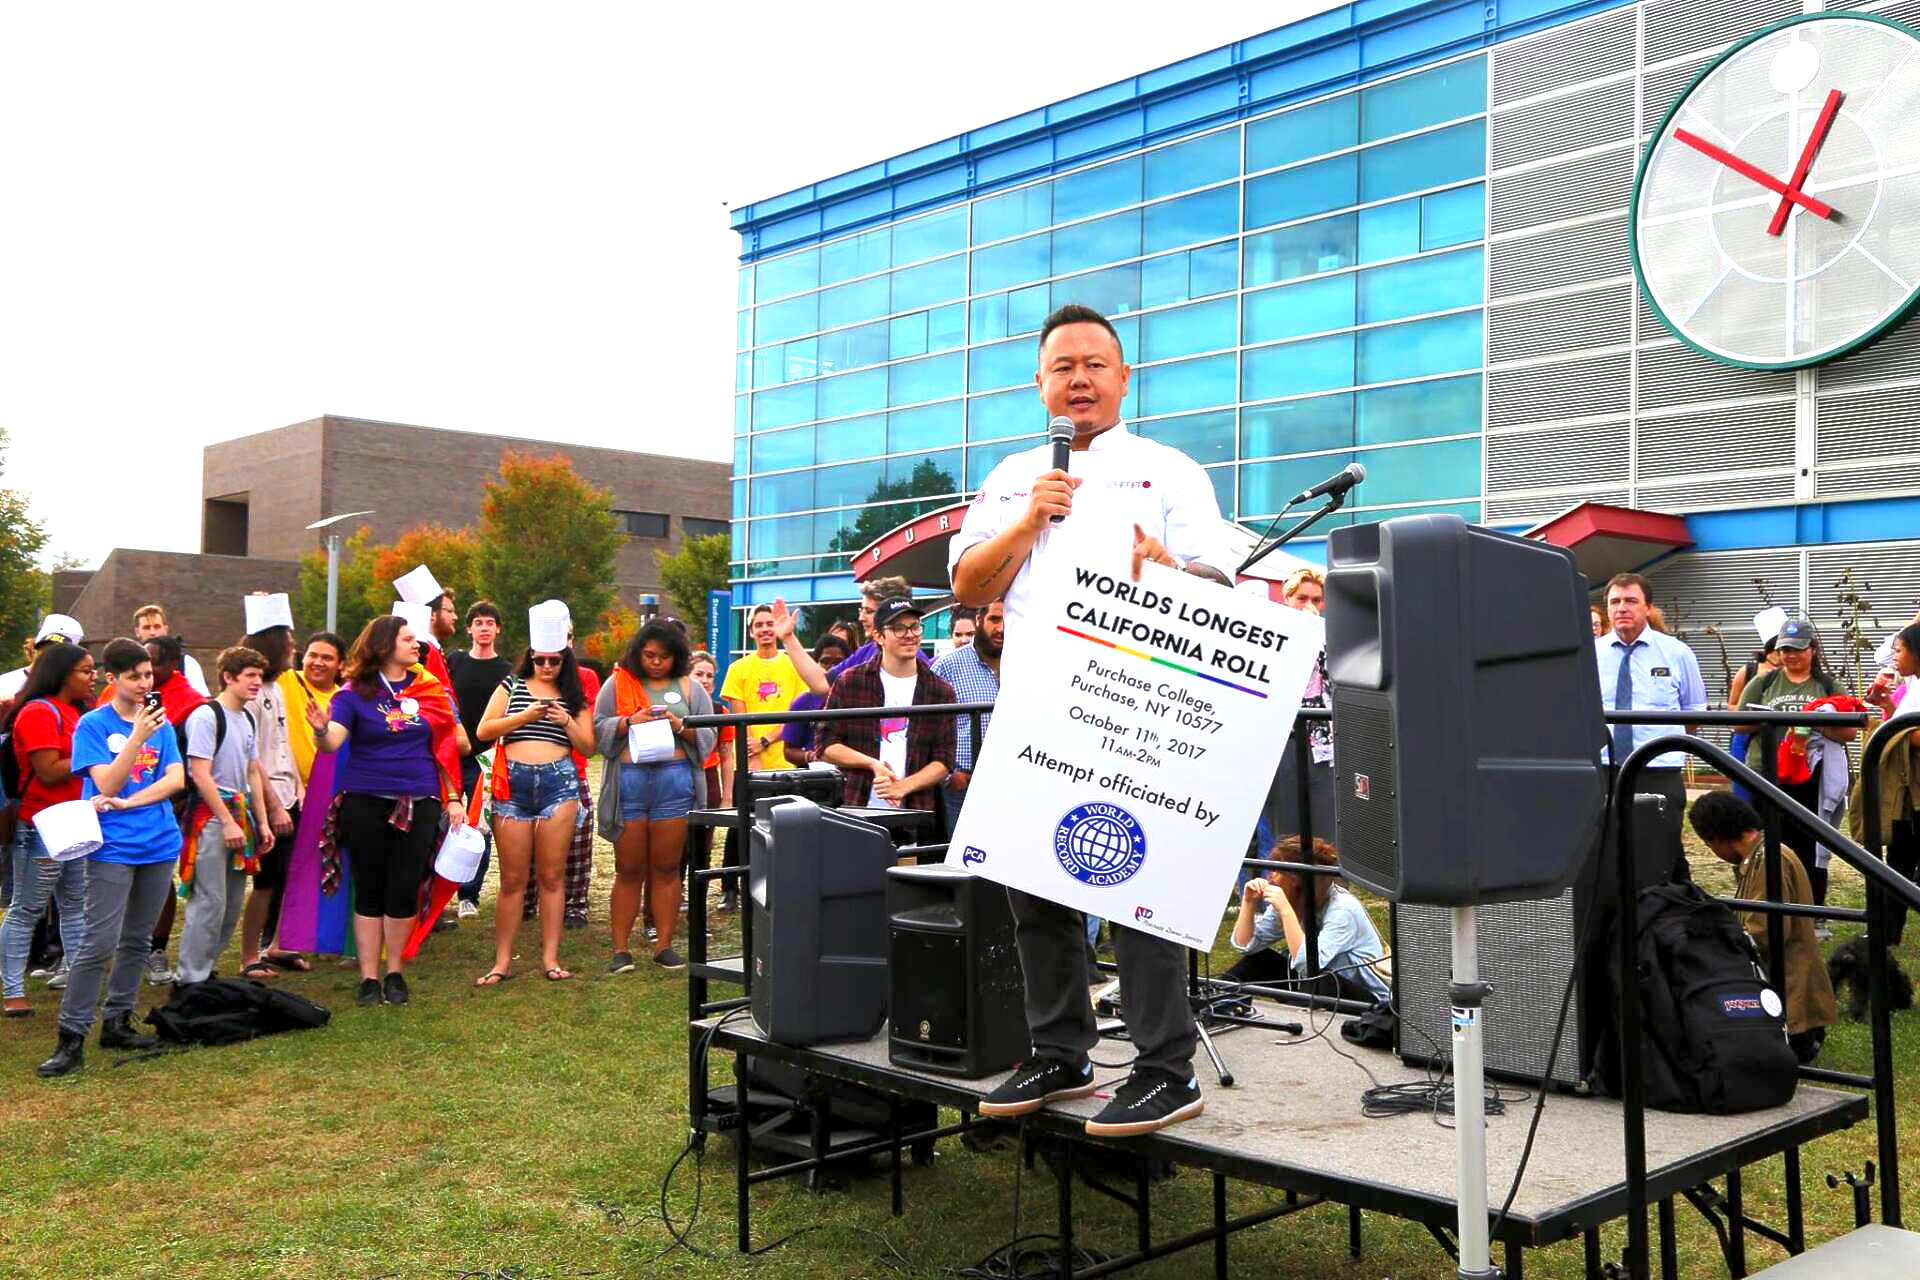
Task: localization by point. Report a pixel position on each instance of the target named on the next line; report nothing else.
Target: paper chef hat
(417, 586)
(417, 616)
(264, 611)
(1768, 622)
(547, 624)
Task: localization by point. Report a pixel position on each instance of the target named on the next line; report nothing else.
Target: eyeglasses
(540, 660)
(903, 630)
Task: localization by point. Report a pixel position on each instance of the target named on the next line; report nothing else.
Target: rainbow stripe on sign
(1154, 658)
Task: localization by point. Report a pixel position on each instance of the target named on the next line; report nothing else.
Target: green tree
(688, 574)
(24, 586)
(453, 555)
(356, 587)
(546, 533)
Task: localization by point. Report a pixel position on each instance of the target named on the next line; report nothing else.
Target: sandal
(557, 974)
(289, 961)
(259, 969)
(491, 978)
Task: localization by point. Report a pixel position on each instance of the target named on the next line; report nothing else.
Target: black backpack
(1713, 1033)
(229, 1010)
(219, 725)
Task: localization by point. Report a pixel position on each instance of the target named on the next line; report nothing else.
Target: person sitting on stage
(1347, 945)
(1732, 828)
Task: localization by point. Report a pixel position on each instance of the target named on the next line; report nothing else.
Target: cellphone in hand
(656, 710)
(152, 701)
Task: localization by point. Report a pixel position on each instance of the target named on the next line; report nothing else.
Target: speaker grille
(1363, 761)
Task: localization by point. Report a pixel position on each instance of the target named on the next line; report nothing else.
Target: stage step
(1872, 1252)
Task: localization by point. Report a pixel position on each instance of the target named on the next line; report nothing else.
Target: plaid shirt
(929, 738)
(972, 681)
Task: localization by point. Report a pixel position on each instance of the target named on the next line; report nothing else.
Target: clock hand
(1820, 126)
(1754, 173)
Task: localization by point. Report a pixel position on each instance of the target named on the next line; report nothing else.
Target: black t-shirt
(474, 680)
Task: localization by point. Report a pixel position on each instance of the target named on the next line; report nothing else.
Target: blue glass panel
(1163, 280)
(1110, 186)
(849, 484)
(860, 255)
(1440, 345)
(742, 409)
(1192, 384)
(1313, 306)
(801, 359)
(769, 366)
(840, 350)
(1014, 262)
(1112, 292)
(1468, 511)
(1223, 490)
(1453, 217)
(1416, 101)
(1390, 231)
(738, 550)
(743, 294)
(852, 438)
(1306, 250)
(931, 426)
(947, 326)
(1415, 410)
(778, 277)
(1125, 328)
(783, 406)
(990, 317)
(1027, 308)
(742, 371)
(789, 491)
(1001, 365)
(933, 378)
(1298, 134)
(931, 283)
(1204, 437)
(740, 451)
(907, 335)
(1204, 215)
(1187, 165)
(739, 500)
(1430, 160)
(1266, 486)
(1415, 472)
(1096, 243)
(1296, 193)
(852, 393)
(787, 319)
(931, 236)
(1318, 364)
(1010, 413)
(1012, 214)
(852, 303)
(928, 475)
(781, 450)
(742, 330)
(1185, 331)
(839, 531)
(982, 458)
(789, 535)
(1421, 285)
(1214, 269)
(1297, 426)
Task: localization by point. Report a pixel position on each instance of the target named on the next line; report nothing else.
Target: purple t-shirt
(390, 750)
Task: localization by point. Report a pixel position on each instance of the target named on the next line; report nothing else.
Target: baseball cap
(891, 610)
(58, 626)
(1795, 633)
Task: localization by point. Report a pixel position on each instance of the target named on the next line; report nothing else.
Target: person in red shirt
(58, 689)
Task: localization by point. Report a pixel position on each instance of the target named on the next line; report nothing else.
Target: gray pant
(123, 905)
(1052, 941)
(213, 909)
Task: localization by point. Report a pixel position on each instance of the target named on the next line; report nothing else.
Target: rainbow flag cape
(312, 921)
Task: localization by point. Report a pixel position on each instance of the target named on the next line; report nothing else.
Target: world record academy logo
(1100, 844)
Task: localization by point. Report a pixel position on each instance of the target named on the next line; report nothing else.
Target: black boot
(68, 1055)
(117, 1033)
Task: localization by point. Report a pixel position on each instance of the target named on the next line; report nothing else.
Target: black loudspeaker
(1527, 949)
(957, 998)
(1466, 700)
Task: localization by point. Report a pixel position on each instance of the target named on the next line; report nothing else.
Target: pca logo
(1100, 844)
(973, 857)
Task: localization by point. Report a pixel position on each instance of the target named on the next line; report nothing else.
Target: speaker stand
(1204, 1000)
(1468, 993)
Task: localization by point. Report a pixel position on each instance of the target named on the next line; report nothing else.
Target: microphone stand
(1334, 502)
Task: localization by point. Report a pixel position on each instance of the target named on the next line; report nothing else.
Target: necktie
(1623, 701)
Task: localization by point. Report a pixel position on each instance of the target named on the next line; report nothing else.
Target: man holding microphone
(1164, 503)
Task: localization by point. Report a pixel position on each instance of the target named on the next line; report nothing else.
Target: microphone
(1060, 436)
(1352, 474)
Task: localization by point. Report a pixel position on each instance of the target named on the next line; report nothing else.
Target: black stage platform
(1294, 1123)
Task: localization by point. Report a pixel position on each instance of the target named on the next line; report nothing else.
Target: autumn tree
(453, 555)
(699, 566)
(546, 533)
(356, 587)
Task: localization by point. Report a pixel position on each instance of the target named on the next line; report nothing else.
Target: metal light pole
(333, 562)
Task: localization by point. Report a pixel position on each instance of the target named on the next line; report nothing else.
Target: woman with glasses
(540, 717)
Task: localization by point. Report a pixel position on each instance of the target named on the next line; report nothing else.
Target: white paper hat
(70, 829)
(547, 624)
(417, 616)
(265, 611)
(1768, 622)
(59, 624)
(417, 586)
(558, 607)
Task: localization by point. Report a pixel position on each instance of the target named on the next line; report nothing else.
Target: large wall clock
(1776, 214)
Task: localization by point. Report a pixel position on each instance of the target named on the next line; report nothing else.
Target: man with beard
(974, 673)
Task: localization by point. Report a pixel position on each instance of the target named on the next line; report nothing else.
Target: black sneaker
(396, 988)
(1149, 1100)
(669, 959)
(1036, 1083)
(369, 991)
(622, 962)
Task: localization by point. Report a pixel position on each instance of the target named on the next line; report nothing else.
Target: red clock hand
(1754, 173)
(1814, 139)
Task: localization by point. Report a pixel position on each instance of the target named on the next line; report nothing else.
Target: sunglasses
(540, 661)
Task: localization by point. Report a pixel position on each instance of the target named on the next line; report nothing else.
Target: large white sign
(1135, 734)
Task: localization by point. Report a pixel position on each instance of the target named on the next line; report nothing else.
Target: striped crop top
(519, 698)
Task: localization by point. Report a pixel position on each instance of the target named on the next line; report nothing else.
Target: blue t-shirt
(392, 747)
(1348, 942)
(133, 836)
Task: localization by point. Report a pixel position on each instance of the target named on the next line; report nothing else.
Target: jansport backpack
(1713, 1033)
(229, 1010)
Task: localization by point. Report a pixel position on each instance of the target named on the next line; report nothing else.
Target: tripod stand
(1206, 1010)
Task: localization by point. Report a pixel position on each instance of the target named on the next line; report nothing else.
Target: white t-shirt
(1126, 480)
(190, 668)
(893, 731)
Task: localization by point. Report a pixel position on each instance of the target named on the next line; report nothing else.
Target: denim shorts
(534, 791)
(662, 790)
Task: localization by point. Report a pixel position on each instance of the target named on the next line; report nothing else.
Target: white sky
(223, 218)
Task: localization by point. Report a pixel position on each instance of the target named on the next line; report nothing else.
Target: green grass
(523, 1131)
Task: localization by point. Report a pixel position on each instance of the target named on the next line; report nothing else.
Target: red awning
(1607, 540)
(916, 550)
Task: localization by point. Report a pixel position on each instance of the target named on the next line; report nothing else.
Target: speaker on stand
(957, 1000)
